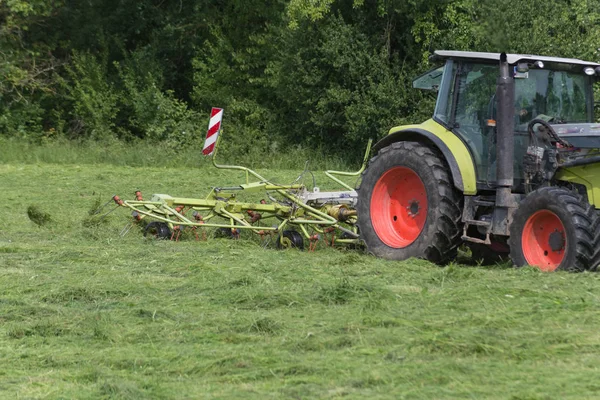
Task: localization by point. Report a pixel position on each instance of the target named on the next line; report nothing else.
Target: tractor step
(484, 203)
(477, 240)
(476, 222)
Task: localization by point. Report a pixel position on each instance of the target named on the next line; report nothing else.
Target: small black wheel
(291, 239)
(157, 230)
(408, 205)
(554, 229)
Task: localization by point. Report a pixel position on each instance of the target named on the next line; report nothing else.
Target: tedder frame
(300, 214)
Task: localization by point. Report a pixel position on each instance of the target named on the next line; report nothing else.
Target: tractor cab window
(443, 106)
(430, 80)
(561, 95)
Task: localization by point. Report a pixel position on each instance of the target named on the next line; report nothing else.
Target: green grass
(85, 313)
(145, 154)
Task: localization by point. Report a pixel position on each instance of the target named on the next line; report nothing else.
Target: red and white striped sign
(214, 126)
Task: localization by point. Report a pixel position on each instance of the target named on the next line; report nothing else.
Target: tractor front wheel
(408, 206)
(554, 229)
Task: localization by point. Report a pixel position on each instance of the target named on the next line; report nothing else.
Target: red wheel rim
(544, 241)
(399, 207)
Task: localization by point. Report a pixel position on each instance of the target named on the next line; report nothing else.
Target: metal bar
(347, 241)
(234, 218)
(205, 225)
(280, 229)
(181, 216)
(304, 231)
(145, 203)
(330, 174)
(330, 220)
(234, 167)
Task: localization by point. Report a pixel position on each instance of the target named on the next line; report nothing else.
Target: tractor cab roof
(512, 58)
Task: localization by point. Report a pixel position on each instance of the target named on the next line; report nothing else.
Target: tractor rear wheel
(554, 229)
(408, 206)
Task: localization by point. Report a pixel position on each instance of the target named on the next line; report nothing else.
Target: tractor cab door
(466, 105)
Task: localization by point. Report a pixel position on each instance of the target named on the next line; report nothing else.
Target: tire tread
(585, 220)
(448, 232)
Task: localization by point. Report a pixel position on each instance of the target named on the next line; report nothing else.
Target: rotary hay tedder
(291, 213)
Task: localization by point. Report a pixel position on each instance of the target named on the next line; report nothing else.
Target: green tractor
(509, 165)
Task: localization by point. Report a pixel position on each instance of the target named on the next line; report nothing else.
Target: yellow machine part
(464, 161)
(586, 175)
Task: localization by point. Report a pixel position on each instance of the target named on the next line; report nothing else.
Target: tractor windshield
(563, 95)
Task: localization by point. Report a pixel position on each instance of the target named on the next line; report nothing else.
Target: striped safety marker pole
(214, 126)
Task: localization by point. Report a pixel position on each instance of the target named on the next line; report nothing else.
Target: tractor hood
(582, 135)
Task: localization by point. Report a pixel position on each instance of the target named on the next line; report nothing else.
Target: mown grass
(85, 313)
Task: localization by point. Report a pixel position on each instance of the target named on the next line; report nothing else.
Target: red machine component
(118, 200)
(254, 216)
(313, 242)
(197, 216)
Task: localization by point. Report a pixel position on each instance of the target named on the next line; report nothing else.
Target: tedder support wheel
(157, 230)
(554, 229)
(291, 239)
(408, 206)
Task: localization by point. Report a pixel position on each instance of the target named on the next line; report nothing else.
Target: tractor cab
(556, 90)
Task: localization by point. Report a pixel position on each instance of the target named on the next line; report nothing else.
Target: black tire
(157, 230)
(577, 242)
(596, 257)
(291, 239)
(485, 255)
(440, 235)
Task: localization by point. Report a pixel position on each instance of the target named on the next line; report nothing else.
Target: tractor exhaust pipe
(505, 144)
(505, 138)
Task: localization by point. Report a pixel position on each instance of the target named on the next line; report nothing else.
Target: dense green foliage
(290, 73)
(87, 314)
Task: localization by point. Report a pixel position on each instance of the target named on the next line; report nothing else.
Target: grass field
(85, 313)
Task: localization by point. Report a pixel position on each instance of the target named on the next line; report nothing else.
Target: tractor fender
(463, 174)
(586, 175)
